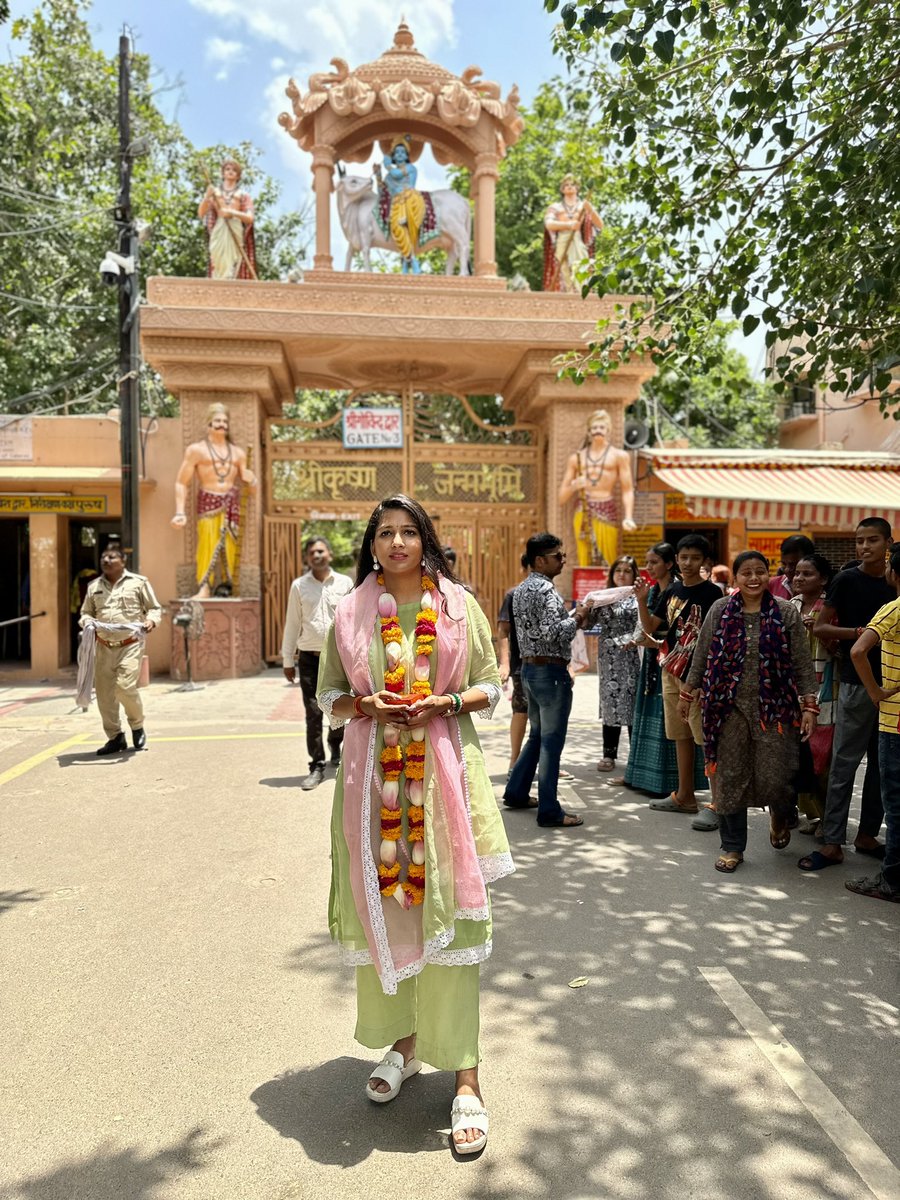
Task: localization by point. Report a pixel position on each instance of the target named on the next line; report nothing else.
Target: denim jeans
(548, 688)
(889, 762)
(855, 735)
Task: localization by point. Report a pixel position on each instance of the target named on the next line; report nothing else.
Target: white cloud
(225, 53)
(357, 30)
(277, 64)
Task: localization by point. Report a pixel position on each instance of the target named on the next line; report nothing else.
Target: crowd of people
(762, 689)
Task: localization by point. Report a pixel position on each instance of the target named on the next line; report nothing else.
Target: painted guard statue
(221, 469)
(591, 476)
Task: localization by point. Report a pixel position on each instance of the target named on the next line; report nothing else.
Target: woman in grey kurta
(753, 673)
(618, 660)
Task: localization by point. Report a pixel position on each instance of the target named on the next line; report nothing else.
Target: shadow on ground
(119, 1174)
(8, 900)
(91, 756)
(325, 1109)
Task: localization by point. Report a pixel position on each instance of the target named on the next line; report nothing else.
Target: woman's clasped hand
(384, 708)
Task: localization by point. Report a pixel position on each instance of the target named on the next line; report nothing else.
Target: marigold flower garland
(411, 891)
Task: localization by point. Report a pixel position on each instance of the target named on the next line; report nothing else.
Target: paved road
(177, 1026)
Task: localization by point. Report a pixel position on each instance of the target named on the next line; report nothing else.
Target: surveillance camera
(110, 271)
(114, 266)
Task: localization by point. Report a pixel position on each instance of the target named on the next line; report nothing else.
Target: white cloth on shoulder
(604, 596)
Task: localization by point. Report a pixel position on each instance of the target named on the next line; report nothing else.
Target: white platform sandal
(394, 1073)
(468, 1112)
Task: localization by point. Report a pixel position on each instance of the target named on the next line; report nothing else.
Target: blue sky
(222, 65)
(234, 57)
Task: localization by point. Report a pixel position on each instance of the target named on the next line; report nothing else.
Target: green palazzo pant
(439, 1005)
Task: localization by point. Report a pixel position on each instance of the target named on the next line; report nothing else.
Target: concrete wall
(92, 442)
(855, 423)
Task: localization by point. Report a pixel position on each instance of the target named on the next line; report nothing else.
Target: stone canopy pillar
(323, 171)
(484, 187)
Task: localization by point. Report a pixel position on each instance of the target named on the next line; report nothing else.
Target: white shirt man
(310, 612)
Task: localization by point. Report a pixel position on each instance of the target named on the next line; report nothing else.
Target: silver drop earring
(375, 563)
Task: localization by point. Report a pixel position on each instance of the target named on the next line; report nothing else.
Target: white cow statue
(356, 200)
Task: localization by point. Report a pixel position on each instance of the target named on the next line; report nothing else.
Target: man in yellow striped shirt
(884, 628)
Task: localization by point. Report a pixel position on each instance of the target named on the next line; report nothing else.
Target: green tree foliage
(59, 163)
(717, 403)
(758, 138)
(723, 406)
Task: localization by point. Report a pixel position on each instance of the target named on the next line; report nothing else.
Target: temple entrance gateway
(481, 482)
(449, 384)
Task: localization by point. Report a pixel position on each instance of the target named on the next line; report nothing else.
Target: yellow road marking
(223, 737)
(36, 759)
(869, 1161)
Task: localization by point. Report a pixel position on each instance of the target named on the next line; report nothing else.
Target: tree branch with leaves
(757, 137)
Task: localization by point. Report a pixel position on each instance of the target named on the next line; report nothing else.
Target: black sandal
(566, 821)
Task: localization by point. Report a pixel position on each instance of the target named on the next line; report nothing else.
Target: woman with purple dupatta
(416, 832)
(753, 675)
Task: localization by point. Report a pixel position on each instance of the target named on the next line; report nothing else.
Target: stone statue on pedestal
(221, 469)
(591, 476)
(570, 227)
(407, 210)
(227, 213)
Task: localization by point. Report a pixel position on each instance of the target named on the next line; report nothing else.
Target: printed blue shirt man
(545, 631)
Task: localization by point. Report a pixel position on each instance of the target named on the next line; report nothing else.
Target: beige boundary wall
(79, 457)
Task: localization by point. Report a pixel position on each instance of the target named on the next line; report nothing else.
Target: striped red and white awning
(825, 497)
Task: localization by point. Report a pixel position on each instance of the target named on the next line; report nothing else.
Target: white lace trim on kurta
(327, 702)
(493, 694)
(496, 866)
(464, 956)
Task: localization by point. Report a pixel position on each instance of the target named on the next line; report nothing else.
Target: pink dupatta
(396, 939)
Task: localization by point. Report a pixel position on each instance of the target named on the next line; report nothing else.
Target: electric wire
(55, 305)
(49, 390)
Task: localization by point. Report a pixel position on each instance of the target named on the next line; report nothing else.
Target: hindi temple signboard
(373, 428)
(71, 505)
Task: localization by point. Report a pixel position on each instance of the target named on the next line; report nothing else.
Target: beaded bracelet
(456, 701)
(813, 708)
(357, 706)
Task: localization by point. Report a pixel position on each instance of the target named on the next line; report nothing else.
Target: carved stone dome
(404, 61)
(403, 92)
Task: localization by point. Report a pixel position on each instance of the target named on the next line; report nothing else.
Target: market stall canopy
(831, 489)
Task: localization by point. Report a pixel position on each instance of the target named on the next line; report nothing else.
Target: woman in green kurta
(416, 943)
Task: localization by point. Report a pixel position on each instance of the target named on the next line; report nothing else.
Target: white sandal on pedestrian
(394, 1072)
(468, 1112)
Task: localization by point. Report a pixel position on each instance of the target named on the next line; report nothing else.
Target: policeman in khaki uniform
(117, 597)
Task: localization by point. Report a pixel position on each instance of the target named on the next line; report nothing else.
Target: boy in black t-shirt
(852, 600)
(681, 610)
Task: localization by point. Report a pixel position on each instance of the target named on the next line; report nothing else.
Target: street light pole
(129, 345)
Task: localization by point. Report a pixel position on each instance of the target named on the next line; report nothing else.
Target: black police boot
(139, 738)
(114, 746)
